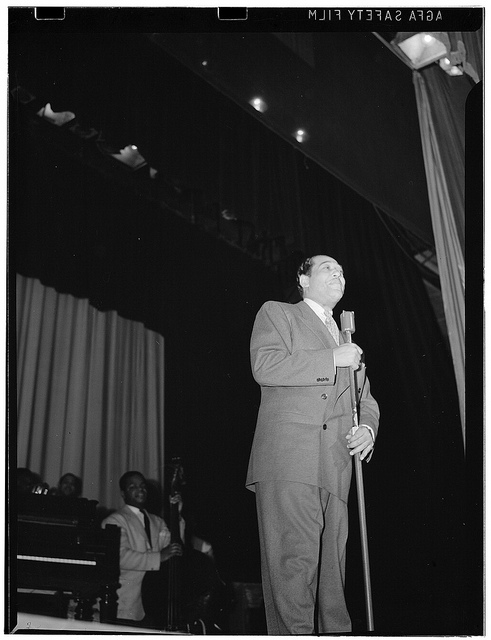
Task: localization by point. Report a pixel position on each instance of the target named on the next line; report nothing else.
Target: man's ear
(304, 281)
(122, 495)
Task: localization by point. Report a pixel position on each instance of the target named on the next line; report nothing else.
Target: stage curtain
(442, 136)
(90, 392)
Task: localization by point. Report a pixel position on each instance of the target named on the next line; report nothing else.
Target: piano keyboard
(57, 560)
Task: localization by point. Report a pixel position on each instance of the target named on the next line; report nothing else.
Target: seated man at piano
(145, 544)
(69, 486)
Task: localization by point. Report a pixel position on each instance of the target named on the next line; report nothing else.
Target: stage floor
(32, 623)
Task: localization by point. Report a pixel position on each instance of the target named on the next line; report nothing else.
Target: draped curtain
(256, 183)
(90, 392)
(441, 119)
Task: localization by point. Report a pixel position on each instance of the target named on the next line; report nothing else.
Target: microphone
(347, 320)
(348, 327)
(348, 323)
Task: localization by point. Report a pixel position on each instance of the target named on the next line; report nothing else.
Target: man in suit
(300, 464)
(139, 551)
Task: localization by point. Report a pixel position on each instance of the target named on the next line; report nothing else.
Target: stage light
(421, 49)
(258, 104)
(58, 118)
(131, 157)
(454, 71)
(448, 67)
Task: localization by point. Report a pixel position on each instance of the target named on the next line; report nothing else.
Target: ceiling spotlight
(258, 104)
(300, 135)
(422, 48)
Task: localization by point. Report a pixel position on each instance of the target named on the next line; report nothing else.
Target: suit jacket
(137, 555)
(305, 411)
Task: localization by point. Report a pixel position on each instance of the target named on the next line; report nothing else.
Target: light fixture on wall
(423, 48)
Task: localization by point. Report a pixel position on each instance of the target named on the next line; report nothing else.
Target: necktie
(147, 525)
(333, 327)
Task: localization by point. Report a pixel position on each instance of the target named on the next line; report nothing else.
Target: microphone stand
(347, 328)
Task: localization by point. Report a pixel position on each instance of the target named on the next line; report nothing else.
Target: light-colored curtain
(90, 392)
(445, 214)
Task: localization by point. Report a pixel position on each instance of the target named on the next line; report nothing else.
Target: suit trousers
(303, 530)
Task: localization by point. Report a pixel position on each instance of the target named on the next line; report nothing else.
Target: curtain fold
(447, 214)
(90, 392)
(256, 183)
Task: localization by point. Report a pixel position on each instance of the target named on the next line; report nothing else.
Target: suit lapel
(138, 523)
(317, 326)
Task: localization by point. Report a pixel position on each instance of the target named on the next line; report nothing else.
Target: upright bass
(187, 594)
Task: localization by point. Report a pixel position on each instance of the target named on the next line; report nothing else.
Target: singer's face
(326, 282)
(135, 491)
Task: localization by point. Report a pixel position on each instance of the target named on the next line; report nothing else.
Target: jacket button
(324, 426)
(324, 396)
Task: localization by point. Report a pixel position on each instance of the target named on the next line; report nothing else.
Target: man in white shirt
(139, 551)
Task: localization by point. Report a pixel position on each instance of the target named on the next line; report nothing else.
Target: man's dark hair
(125, 476)
(305, 269)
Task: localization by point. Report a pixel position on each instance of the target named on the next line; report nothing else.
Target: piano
(62, 548)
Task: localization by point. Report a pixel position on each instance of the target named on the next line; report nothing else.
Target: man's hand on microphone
(347, 355)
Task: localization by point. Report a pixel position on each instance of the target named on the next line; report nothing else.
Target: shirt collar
(134, 509)
(317, 308)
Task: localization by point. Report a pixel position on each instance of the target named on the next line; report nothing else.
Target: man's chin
(138, 504)
(337, 295)
(337, 288)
